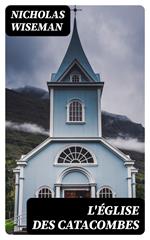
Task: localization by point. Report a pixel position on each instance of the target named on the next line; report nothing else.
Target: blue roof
(75, 52)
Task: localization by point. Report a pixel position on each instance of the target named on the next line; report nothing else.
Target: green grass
(9, 226)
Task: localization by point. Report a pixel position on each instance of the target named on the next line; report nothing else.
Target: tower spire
(75, 53)
(75, 9)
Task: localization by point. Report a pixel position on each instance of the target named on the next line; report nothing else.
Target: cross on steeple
(75, 10)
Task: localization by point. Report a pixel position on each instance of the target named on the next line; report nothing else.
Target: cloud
(127, 144)
(113, 40)
(26, 127)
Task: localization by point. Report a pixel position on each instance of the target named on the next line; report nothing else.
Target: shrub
(9, 226)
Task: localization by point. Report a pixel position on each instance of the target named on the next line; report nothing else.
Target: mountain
(114, 126)
(33, 92)
(30, 104)
(26, 106)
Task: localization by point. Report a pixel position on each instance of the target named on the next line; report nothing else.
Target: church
(75, 161)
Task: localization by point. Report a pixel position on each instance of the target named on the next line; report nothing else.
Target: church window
(75, 111)
(75, 154)
(44, 193)
(75, 78)
(105, 193)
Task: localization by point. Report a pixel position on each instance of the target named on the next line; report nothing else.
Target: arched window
(44, 193)
(75, 155)
(75, 111)
(105, 192)
(75, 78)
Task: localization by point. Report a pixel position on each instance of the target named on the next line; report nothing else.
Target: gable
(102, 141)
(75, 68)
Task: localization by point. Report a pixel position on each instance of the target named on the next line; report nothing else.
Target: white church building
(75, 161)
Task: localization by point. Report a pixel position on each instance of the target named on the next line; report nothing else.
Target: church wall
(61, 99)
(75, 178)
(41, 171)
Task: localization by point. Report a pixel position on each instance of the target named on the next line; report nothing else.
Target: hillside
(114, 126)
(27, 108)
(17, 144)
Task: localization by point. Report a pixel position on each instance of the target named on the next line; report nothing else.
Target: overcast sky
(113, 41)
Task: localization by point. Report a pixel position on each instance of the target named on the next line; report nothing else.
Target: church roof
(49, 140)
(75, 52)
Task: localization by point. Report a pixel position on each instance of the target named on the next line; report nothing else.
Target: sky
(113, 41)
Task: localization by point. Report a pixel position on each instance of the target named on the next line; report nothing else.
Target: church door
(77, 194)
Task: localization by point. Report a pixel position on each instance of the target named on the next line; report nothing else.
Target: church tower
(75, 95)
(75, 161)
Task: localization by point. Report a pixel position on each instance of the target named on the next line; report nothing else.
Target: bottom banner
(85, 216)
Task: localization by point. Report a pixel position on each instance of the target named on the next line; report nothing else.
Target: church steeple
(76, 53)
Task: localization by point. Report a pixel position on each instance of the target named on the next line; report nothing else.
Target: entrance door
(77, 194)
